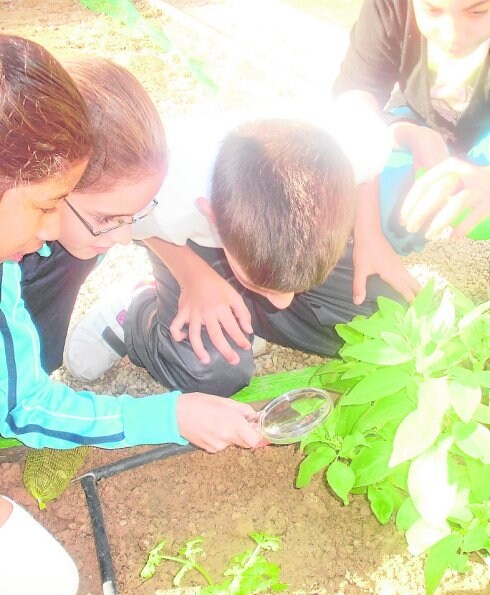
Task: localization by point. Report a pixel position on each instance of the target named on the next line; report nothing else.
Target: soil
(326, 547)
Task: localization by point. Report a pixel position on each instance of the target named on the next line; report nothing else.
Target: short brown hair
(43, 121)
(283, 199)
(129, 139)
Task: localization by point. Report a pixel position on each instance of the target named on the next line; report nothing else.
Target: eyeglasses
(121, 221)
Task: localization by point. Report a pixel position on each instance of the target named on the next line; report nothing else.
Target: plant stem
(194, 565)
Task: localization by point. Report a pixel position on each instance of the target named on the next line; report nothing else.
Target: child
(437, 53)
(41, 412)
(44, 146)
(127, 167)
(253, 258)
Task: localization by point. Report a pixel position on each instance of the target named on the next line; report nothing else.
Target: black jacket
(386, 48)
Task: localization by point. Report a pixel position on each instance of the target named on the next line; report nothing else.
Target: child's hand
(443, 193)
(427, 146)
(212, 302)
(372, 254)
(213, 423)
(377, 257)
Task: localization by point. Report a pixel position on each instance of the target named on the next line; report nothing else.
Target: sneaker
(259, 346)
(96, 342)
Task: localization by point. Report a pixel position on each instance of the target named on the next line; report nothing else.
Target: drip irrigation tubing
(89, 483)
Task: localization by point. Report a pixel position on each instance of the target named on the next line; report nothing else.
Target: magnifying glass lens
(289, 417)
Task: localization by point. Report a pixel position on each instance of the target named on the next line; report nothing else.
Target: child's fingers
(232, 328)
(195, 339)
(442, 221)
(359, 286)
(219, 340)
(242, 314)
(404, 283)
(426, 197)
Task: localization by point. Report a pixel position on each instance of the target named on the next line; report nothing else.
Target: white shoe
(96, 342)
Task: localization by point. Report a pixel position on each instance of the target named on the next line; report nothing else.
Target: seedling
(411, 430)
(248, 573)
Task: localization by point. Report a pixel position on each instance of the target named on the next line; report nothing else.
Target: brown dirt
(326, 547)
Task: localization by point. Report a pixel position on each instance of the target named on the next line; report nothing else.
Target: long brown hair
(129, 139)
(43, 121)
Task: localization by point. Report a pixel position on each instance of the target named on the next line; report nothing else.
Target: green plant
(127, 14)
(248, 573)
(411, 430)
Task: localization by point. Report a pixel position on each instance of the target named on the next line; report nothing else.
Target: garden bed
(326, 547)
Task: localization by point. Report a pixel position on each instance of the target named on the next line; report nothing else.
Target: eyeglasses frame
(95, 233)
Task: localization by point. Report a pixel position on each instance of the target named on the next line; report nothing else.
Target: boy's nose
(449, 33)
(50, 226)
(280, 300)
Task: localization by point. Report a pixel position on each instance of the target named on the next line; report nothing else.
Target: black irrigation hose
(155, 454)
(102, 547)
(89, 484)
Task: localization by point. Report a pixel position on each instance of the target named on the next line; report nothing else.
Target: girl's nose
(121, 235)
(50, 226)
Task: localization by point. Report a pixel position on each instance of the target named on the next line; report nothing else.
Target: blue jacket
(42, 412)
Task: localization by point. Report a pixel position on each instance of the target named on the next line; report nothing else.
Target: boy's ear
(206, 209)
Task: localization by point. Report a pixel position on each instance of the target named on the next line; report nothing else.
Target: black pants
(50, 287)
(308, 324)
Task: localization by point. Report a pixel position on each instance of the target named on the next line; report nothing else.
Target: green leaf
(389, 308)
(425, 422)
(197, 68)
(473, 315)
(477, 444)
(357, 369)
(424, 299)
(391, 408)
(348, 334)
(428, 484)
(381, 502)
(313, 463)
(464, 399)
(376, 351)
(479, 476)
(350, 444)
(471, 378)
(341, 478)
(397, 342)
(380, 383)
(440, 557)
(371, 464)
(476, 539)
(406, 516)
(348, 418)
(442, 321)
(371, 327)
(482, 414)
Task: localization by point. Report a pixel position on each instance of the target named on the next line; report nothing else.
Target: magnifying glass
(292, 415)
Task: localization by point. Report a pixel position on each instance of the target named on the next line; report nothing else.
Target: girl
(44, 147)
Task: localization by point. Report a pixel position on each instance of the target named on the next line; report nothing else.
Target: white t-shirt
(193, 150)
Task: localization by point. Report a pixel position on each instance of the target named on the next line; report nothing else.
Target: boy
(253, 258)
(437, 53)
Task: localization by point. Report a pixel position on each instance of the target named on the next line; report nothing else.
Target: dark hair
(43, 121)
(129, 139)
(283, 199)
